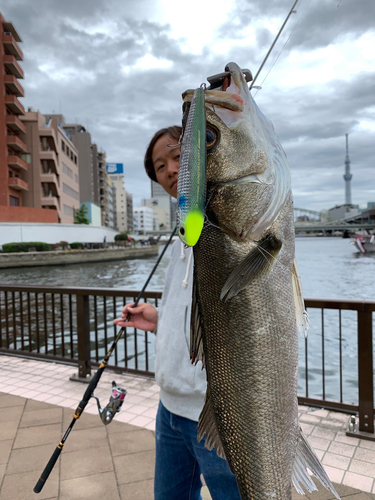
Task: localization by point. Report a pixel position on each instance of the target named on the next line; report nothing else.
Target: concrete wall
(53, 233)
(57, 258)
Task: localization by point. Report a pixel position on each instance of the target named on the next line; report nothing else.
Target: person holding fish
(180, 459)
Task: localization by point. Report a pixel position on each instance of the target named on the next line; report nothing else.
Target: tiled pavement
(116, 461)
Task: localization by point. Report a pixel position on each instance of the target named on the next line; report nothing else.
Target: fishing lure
(191, 185)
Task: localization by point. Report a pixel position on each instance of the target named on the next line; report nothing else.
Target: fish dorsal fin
(196, 328)
(307, 459)
(207, 425)
(259, 259)
(299, 305)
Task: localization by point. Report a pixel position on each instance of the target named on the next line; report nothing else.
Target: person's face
(166, 161)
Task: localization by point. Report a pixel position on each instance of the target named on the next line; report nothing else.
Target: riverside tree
(81, 215)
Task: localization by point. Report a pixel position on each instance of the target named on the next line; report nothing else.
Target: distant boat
(364, 243)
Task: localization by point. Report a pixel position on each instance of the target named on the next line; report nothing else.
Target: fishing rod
(118, 394)
(272, 46)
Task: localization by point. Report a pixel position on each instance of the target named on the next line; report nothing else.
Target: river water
(329, 268)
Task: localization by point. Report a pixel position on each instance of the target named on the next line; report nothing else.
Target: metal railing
(75, 325)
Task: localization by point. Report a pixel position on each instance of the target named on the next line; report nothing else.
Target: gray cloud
(81, 57)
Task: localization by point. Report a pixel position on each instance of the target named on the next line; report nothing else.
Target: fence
(76, 325)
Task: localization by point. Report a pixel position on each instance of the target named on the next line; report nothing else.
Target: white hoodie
(182, 385)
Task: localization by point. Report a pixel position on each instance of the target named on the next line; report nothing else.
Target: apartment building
(16, 203)
(161, 210)
(13, 168)
(53, 174)
(88, 162)
(157, 192)
(143, 220)
(106, 200)
(123, 201)
(129, 212)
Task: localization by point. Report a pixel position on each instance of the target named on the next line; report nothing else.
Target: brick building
(14, 169)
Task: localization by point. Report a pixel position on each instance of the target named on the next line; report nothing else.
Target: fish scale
(243, 370)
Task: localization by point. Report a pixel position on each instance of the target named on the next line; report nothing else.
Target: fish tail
(307, 459)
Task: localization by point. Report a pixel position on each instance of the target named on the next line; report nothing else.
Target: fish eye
(211, 138)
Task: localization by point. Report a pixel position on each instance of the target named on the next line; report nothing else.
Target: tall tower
(347, 176)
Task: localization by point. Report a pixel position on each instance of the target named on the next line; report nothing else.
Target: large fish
(247, 303)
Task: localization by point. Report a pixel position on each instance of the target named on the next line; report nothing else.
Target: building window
(68, 210)
(67, 150)
(62, 145)
(10, 173)
(75, 159)
(13, 201)
(67, 171)
(70, 192)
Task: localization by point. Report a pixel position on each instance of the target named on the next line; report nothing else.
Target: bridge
(311, 221)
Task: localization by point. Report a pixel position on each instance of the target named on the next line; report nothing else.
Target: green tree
(81, 216)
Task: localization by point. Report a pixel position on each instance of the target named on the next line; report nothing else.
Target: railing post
(83, 334)
(365, 372)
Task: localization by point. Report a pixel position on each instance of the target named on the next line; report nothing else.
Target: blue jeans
(180, 460)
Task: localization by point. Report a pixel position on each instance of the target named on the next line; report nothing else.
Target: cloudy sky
(119, 67)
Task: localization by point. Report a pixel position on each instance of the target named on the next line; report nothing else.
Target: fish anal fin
(207, 425)
(307, 459)
(196, 329)
(253, 264)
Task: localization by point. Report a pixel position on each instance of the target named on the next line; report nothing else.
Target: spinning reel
(115, 402)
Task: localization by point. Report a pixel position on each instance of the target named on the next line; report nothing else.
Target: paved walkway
(37, 400)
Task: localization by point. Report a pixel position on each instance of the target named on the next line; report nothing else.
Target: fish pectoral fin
(207, 425)
(307, 459)
(299, 304)
(196, 329)
(257, 261)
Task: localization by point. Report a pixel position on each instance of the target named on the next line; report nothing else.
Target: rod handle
(47, 471)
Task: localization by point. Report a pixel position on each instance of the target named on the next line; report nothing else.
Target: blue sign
(115, 168)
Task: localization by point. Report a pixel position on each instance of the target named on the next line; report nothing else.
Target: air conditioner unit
(8, 33)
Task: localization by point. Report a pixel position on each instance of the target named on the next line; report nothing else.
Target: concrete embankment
(63, 257)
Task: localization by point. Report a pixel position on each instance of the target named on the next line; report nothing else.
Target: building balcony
(53, 183)
(17, 163)
(49, 178)
(18, 184)
(50, 202)
(14, 104)
(49, 132)
(12, 46)
(14, 142)
(14, 86)
(10, 62)
(50, 156)
(15, 123)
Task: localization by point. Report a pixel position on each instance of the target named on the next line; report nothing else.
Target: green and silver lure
(191, 185)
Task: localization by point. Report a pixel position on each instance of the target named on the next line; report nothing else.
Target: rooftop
(37, 400)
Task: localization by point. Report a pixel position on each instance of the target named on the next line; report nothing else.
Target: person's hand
(144, 317)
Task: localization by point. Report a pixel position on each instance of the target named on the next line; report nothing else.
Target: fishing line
(275, 61)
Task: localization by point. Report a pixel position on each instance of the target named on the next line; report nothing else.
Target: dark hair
(174, 132)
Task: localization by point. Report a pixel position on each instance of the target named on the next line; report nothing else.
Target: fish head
(247, 173)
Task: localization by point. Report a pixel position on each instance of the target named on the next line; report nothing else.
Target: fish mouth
(232, 94)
